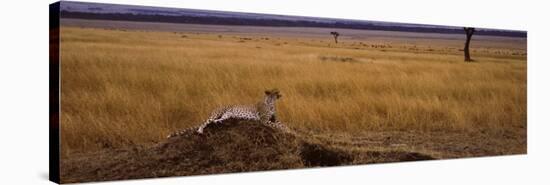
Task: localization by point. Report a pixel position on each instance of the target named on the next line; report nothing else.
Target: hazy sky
(418, 11)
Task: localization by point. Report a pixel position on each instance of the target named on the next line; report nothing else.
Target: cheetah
(263, 111)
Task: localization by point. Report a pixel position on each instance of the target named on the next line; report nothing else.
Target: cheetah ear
(267, 92)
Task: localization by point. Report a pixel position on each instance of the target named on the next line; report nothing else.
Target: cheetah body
(264, 112)
(240, 112)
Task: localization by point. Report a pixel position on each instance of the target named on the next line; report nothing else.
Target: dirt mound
(234, 146)
(313, 154)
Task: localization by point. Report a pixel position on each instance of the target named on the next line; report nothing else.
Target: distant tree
(335, 35)
(469, 32)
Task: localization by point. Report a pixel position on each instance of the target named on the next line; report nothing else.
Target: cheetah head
(273, 93)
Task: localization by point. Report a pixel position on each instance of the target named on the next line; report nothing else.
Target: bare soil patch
(234, 146)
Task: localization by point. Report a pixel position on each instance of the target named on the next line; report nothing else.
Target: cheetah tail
(183, 132)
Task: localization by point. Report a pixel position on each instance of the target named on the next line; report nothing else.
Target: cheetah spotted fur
(263, 111)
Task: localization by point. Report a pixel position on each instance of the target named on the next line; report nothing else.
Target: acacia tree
(335, 35)
(469, 32)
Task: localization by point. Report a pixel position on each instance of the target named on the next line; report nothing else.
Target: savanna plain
(392, 93)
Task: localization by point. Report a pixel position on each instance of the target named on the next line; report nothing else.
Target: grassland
(129, 87)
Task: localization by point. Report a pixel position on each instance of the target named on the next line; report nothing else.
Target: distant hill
(99, 11)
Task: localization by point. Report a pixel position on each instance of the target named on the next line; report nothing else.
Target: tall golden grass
(132, 87)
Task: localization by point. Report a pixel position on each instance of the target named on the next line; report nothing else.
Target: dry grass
(130, 87)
